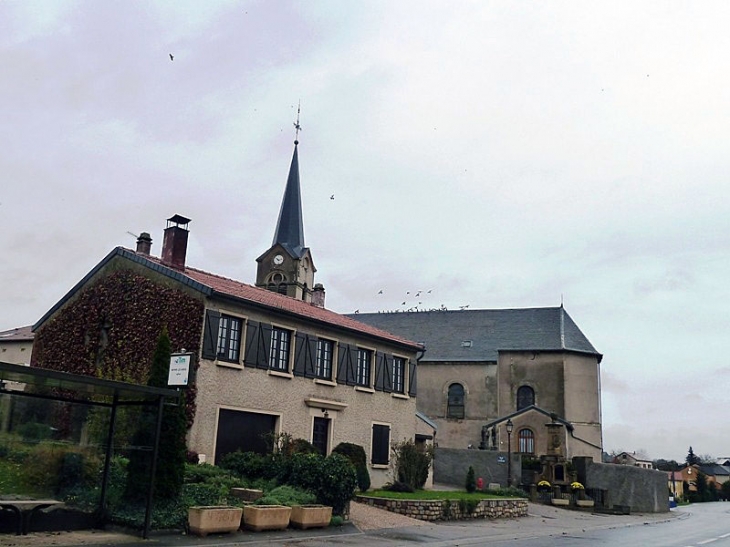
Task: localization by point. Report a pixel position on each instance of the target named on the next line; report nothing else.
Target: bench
(25, 509)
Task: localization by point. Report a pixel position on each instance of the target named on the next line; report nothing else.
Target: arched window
(525, 397)
(455, 402)
(527, 441)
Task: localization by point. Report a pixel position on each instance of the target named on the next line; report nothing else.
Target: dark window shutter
(388, 373)
(311, 356)
(412, 380)
(300, 354)
(252, 349)
(346, 365)
(264, 346)
(210, 334)
(342, 357)
(379, 370)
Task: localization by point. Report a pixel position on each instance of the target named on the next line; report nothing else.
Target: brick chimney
(144, 244)
(175, 242)
(318, 295)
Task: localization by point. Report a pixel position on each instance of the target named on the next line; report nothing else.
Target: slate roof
(478, 335)
(18, 334)
(212, 285)
(714, 470)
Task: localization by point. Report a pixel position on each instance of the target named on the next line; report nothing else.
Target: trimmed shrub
(245, 464)
(356, 454)
(470, 483)
(411, 464)
(337, 484)
(290, 495)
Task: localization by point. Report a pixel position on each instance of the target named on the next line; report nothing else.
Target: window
(381, 445)
(279, 359)
(399, 372)
(229, 338)
(362, 372)
(455, 402)
(525, 397)
(527, 441)
(323, 366)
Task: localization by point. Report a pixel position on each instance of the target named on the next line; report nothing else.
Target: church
(514, 380)
(268, 358)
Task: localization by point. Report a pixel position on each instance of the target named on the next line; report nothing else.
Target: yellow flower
(543, 484)
(576, 486)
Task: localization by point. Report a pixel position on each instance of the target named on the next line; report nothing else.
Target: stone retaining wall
(431, 510)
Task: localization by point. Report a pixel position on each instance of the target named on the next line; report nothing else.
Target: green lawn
(437, 495)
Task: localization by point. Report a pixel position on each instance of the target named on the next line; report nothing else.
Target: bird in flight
(380, 291)
(332, 196)
(171, 57)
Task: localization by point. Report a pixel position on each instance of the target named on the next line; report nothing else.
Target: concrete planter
(560, 501)
(266, 517)
(584, 503)
(211, 519)
(247, 494)
(310, 516)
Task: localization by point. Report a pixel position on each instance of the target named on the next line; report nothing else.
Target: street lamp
(510, 427)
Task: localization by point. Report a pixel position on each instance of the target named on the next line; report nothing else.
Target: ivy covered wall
(110, 327)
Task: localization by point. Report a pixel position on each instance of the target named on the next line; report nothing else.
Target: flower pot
(266, 517)
(310, 516)
(211, 519)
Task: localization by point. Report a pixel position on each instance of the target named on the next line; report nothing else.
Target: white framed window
(280, 349)
(229, 338)
(323, 366)
(399, 375)
(364, 366)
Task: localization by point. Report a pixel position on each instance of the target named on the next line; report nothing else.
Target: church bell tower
(287, 266)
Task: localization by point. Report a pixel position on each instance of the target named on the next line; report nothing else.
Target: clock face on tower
(278, 260)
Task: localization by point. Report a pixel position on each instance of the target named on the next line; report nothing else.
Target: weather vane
(296, 124)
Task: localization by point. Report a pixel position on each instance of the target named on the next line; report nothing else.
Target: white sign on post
(179, 369)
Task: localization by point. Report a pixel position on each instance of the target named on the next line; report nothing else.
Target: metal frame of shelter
(121, 394)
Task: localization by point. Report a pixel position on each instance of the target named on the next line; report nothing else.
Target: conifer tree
(172, 448)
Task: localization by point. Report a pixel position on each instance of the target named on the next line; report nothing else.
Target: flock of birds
(414, 307)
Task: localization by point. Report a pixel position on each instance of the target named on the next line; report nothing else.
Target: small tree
(411, 464)
(172, 448)
(692, 459)
(471, 483)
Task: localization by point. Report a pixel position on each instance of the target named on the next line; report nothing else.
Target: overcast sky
(501, 154)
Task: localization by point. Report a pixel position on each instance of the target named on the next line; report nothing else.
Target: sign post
(179, 369)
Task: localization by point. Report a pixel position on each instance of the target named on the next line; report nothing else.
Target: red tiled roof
(243, 291)
(18, 334)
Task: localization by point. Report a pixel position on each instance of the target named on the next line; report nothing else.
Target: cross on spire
(297, 127)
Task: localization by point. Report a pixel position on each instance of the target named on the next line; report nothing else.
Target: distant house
(481, 369)
(16, 345)
(689, 475)
(626, 458)
(266, 359)
(716, 474)
(676, 484)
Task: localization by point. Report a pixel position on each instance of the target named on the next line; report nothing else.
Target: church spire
(290, 227)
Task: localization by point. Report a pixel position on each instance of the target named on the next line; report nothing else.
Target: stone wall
(641, 490)
(450, 466)
(431, 510)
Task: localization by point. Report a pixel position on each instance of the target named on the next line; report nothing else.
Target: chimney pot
(175, 242)
(318, 295)
(144, 243)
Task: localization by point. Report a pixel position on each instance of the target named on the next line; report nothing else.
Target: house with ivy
(267, 357)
